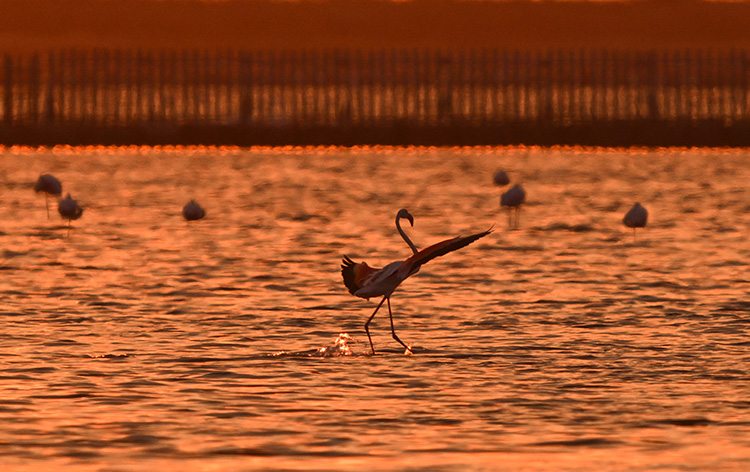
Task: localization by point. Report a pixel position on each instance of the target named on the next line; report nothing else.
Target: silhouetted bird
(365, 282)
(636, 217)
(192, 211)
(500, 178)
(50, 186)
(513, 199)
(69, 209)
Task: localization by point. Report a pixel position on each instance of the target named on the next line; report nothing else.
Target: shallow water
(142, 342)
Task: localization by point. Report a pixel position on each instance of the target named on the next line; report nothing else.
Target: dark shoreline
(649, 133)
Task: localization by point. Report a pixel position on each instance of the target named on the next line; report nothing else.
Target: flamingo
(513, 199)
(500, 178)
(69, 209)
(192, 211)
(48, 184)
(636, 217)
(364, 281)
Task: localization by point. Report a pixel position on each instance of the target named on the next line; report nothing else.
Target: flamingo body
(192, 211)
(69, 208)
(513, 199)
(636, 217)
(501, 178)
(48, 184)
(365, 282)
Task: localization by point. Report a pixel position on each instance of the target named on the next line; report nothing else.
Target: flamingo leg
(393, 330)
(46, 200)
(367, 324)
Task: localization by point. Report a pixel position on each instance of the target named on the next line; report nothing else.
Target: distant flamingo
(50, 186)
(364, 281)
(69, 209)
(513, 199)
(192, 211)
(501, 178)
(636, 217)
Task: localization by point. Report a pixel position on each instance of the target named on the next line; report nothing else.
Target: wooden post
(94, 81)
(74, 85)
(8, 90)
(514, 78)
(493, 86)
(302, 77)
(720, 69)
(164, 86)
(613, 66)
(118, 68)
(35, 80)
(138, 70)
(260, 83)
(370, 83)
(380, 83)
(48, 106)
(107, 90)
(229, 78)
(598, 73)
(84, 85)
(682, 88)
(744, 84)
(193, 73)
(170, 100)
(184, 106)
(355, 78)
(62, 70)
(327, 72)
(703, 98)
(210, 86)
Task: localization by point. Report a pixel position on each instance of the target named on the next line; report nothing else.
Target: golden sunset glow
(200, 270)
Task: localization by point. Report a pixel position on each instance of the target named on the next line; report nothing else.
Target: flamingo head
(404, 213)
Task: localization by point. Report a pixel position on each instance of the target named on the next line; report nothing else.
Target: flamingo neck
(406, 238)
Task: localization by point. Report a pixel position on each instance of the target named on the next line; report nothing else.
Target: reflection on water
(144, 342)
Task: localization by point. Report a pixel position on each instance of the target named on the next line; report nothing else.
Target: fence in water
(401, 90)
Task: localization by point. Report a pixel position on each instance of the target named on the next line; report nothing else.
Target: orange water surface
(142, 342)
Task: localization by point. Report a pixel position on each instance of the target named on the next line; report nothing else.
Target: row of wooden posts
(361, 88)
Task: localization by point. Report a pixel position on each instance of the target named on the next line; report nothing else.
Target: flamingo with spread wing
(365, 282)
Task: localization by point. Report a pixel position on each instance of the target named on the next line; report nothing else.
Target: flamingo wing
(355, 274)
(364, 281)
(413, 263)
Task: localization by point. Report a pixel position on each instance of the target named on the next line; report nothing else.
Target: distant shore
(33, 25)
(47, 101)
(659, 133)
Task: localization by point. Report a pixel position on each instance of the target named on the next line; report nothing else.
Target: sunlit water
(143, 342)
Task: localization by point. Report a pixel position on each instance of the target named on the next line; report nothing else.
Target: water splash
(339, 348)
